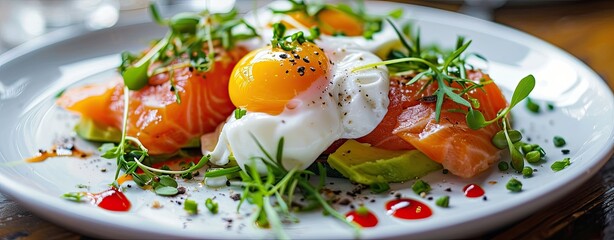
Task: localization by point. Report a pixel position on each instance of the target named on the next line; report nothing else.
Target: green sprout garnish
(449, 72)
(371, 24)
(239, 113)
(273, 193)
(211, 205)
(560, 165)
(190, 206)
(514, 185)
(558, 141)
(291, 42)
(190, 36)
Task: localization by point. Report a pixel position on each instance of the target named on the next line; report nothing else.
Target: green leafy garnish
(189, 43)
(558, 141)
(560, 165)
(371, 24)
(239, 113)
(291, 42)
(420, 187)
(274, 192)
(443, 201)
(166, 191)
(74, 196)
(211, 205)
(190, 206)
(514, 185)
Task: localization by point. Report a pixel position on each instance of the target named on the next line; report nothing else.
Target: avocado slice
(364, 164)
(90, 130)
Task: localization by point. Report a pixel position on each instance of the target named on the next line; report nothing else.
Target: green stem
(283, 181)
(399, 60)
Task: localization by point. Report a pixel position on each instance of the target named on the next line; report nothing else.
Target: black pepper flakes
(344, 202)
(565, 151)
(485, 198)
(301, 71)
(235, 197)
(305, 59)
(283, 56)
(312, 69)
(181, 190)
(448, 190)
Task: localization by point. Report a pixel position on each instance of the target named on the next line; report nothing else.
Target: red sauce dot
(367, 219)
(111, 199)
(473, 191)
(406, 208)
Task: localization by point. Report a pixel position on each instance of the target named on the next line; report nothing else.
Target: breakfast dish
(258, 125)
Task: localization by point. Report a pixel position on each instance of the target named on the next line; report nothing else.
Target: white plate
(31, 75)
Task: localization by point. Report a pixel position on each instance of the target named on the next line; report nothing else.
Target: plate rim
(52, 208)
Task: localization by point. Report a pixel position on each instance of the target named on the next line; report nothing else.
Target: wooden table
(585, 28)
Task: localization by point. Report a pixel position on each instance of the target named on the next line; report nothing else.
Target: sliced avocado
(90, 130)
(368, 165)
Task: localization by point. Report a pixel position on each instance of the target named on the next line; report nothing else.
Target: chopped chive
(503, 166)
(211, 205)
(558, 141)
(527, 172)
(190, 206)
(74, 196)
(420, 187)
(514, 185)
(443, 201)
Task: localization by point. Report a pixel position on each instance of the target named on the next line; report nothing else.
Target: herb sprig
(449, 72)
(190, 42)
(371, 24)
(273, 193)
(291, 42)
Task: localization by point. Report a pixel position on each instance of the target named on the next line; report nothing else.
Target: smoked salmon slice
(155, 117)
(461, 150)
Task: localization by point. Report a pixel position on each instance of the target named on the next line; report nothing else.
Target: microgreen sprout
(560, 165)
(190, 36)
(291, 42)
(211, 205)
(273, 192)
(371, 24)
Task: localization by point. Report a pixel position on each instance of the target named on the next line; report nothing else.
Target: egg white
(347, 105)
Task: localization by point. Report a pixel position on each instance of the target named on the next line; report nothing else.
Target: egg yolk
(331, 22)
(267, 78)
